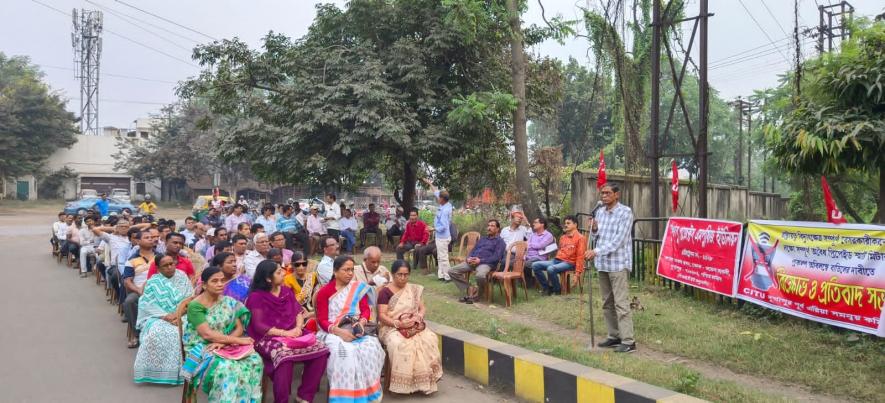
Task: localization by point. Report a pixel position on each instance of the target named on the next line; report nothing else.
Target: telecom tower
(86, 40)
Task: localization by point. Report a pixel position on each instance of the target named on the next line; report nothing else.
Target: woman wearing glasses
(304, 284)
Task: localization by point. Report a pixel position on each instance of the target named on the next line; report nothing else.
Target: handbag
(352, 324)
(235, 352)
(410, 331)
(295, 343)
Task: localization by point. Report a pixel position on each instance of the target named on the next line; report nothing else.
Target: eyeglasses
(299, 264)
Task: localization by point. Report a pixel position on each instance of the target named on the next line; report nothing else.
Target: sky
(143, 56)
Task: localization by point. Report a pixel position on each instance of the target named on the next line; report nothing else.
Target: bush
(51, 185)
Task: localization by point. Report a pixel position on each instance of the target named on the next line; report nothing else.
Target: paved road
(64, 343)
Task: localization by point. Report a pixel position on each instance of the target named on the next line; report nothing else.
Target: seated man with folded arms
(415, 236)
(484, 258)
(371, 224)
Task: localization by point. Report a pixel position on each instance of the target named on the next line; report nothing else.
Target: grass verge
(747, 341)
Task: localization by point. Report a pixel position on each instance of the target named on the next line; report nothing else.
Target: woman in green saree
(219, 358)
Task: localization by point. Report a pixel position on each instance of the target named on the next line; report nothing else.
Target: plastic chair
(468, 242)
(506, 279)
(565, 283)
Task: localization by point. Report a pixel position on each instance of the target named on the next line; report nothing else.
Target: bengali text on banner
(828, 273)
(701, 253)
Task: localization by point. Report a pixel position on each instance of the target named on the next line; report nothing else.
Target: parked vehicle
(81, 206)
(87, 193)
(201, 205)
(120, 194)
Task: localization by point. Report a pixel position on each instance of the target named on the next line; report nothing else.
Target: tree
(33, 119)
(547, 171)
(182, 149)
(838, 125)
(373, 87)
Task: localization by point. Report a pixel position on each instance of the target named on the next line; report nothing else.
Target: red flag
(600, 178)
(674, 186)
(833, 214)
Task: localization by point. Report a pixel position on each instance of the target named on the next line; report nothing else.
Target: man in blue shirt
(484, 258)
(102, 205)
(442, 223)
(288, 224)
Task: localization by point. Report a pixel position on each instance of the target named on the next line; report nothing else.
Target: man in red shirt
(371, 221)
(414, 237)
(174, 243)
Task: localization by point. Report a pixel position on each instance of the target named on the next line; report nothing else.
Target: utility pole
(701, 148)
(833, 24)
(86, 41)
(663, 24)
(655, 116)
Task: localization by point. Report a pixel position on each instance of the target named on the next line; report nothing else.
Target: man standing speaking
(610, 228)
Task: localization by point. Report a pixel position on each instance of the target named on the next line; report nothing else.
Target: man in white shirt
(239, 245)
(87, 244)
(349, 228)
(188, 231)
(119, 244)
(253, 257)
(516, 231)
(330, 252)
(333, 214)
(57, 229)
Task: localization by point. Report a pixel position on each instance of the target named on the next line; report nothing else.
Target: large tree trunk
(520, 138)
(410, 180)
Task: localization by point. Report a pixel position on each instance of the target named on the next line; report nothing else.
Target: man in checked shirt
(610, 228)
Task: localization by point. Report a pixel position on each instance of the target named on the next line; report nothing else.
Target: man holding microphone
(610, 228)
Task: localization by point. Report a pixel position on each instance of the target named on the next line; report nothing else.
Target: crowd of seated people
(220, 304)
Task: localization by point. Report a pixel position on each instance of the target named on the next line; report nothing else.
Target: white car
(120, 194)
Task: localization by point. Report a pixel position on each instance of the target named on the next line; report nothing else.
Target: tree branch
(844, 202)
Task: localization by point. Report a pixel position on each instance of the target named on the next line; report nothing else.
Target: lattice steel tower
(86, 40)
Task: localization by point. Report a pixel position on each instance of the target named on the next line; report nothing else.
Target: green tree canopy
(381, 85)
(33, 119)
(838, 123)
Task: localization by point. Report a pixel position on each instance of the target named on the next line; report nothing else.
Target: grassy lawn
(750, 341)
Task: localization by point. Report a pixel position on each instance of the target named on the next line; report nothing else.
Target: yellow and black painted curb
(536, 377)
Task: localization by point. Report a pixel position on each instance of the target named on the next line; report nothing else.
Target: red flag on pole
(833, 214)
(674, 186)
(600, 178)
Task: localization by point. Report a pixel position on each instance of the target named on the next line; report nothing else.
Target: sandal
(132, 344)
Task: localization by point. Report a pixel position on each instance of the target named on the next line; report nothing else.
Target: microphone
(593, 213)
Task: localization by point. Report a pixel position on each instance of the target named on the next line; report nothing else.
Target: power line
(137, 25)
(128, 101)
(110, 74)
(772, 17)
(108, 9)
(123, 36)
(167, 20)
(765, 45)
(752, 56)
(758, 25)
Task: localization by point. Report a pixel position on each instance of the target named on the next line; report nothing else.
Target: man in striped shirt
(610, 228)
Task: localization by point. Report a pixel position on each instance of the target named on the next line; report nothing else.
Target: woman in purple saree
(278, 329)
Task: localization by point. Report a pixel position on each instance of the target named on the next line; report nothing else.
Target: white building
(91, 159)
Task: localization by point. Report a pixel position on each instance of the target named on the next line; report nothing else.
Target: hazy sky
(137, 81)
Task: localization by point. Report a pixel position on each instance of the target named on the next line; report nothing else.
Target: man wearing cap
(147, 207)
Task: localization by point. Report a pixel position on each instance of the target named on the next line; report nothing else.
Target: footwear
(464, 300)
(609, 342)
(625, 348)
(132, 344)
(469, 301)
(83, 275)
